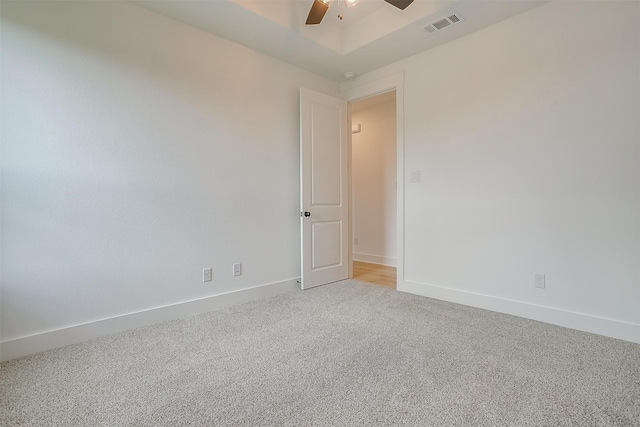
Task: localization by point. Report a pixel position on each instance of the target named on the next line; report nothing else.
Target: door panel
(324, 184)
(326, 238)
(325, 156)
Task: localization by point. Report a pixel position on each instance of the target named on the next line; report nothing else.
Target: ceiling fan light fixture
(320, 7)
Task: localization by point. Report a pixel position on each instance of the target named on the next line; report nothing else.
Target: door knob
(307, 213)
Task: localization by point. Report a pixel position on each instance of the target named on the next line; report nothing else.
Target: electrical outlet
(207, 275)
(415, 176)
(538, 281)
(237, 269)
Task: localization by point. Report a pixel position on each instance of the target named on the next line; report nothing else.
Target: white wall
(137, 151)
(373, 173)
(527, 134)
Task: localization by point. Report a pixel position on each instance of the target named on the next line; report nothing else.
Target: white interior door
(324, 189)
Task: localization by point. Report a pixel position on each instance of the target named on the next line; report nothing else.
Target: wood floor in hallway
(374, 273)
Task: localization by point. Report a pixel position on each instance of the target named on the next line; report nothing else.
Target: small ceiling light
(349, 75)
(342, 4)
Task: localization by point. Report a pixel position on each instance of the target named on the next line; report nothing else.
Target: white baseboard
(74, 334)
(583, 322)
(374, 259)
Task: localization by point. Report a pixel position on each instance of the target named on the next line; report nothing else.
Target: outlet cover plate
(237, 269)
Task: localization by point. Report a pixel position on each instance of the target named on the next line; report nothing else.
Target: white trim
(385, 84)
(583, 322)
(74, 334)
(350, 192)
(375, 259)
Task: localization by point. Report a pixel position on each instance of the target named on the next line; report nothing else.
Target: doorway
(374, 189)
(330, 136)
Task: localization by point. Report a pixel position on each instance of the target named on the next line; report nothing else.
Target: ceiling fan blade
(400, 4)
(317, 12)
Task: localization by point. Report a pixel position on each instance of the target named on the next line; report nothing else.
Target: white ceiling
(372, 34)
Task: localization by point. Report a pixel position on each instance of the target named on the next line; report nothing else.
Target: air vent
(443, 23)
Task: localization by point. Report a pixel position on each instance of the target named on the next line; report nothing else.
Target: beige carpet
(343, 354)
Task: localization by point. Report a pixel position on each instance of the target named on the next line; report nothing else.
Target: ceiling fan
(320, 7)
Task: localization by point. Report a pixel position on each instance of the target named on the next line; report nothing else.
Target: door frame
(366, 90)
